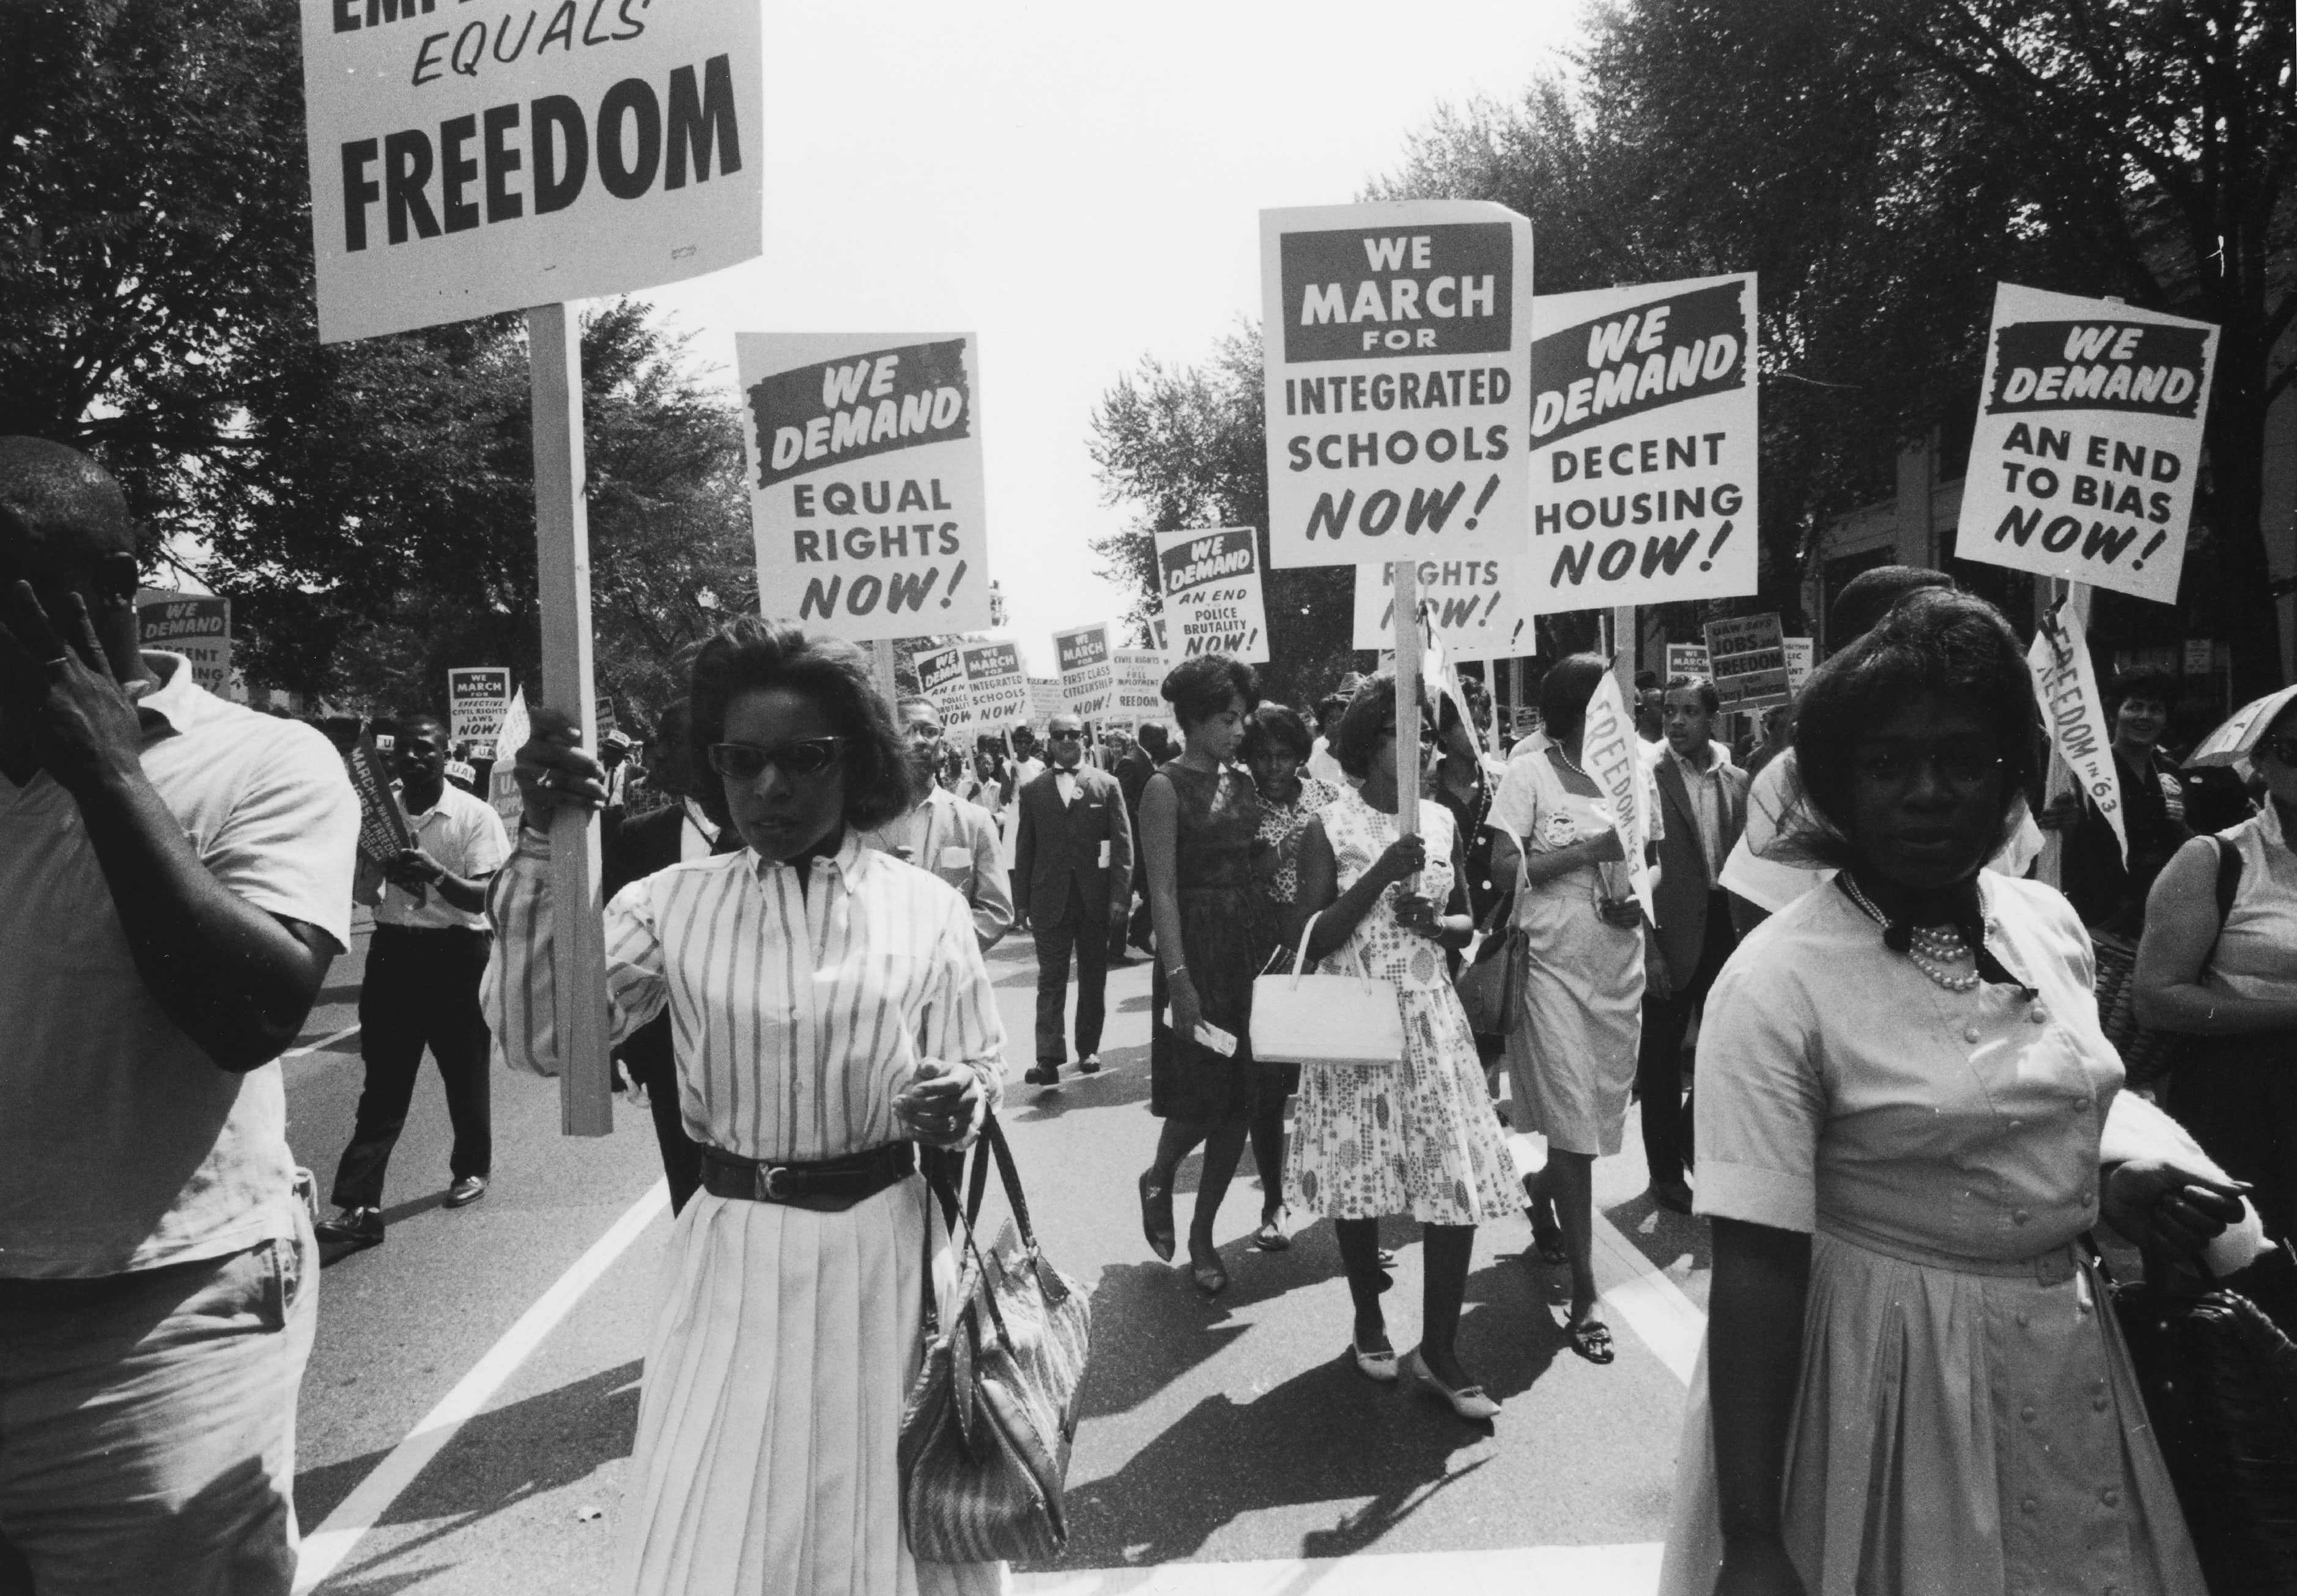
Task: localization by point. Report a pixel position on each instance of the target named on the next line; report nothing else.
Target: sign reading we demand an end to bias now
(2089, 432)
(1397, 348)
(865, 480)
(1209, 581)
(1644, 444)
(474, 156)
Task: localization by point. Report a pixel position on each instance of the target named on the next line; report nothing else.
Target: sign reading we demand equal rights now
(865, 480)
(1398, 341)
(2089, 431)
(477, 157)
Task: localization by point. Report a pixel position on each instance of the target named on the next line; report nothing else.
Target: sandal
(1590, 1338)
(1547, 1237)
(1271, 1236)
(1156, 1215)
(1205, 1269)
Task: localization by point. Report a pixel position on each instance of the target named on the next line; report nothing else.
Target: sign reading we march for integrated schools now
(864, 457)
(1397, 345)
(1643, 445)
(2089, 435)
(993, 682)
(466, 159)
(1209, 581)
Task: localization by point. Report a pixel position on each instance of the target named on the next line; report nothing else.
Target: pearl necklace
(1571, 764)
(1930, 949)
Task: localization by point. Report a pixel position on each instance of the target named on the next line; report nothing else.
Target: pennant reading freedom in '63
(1642, 444)
(1397, 346)
(865, 480)
(2089, 430)
(1210, 582)
(468, 158)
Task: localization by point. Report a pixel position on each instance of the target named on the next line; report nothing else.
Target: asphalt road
(1226, 1446)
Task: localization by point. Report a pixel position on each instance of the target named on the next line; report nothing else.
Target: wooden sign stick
(1407, 701)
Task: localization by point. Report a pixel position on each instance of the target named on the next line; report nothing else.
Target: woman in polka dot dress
(1419, 1137)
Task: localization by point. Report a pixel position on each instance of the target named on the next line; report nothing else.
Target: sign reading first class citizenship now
(1397, 349)
(475, 156)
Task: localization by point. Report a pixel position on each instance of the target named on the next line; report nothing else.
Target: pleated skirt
(782, 1349)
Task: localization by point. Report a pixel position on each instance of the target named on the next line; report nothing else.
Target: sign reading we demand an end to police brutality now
(1209, 581)
(865, 480)
(475, 156)
(1397, 347)
(1644, 444)
(2089, 431)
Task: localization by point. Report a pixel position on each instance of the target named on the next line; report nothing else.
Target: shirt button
(2027, 1412)
(2017, 1124)
(2023, 1321)
(2030, 1507)
(1970, 1033)
(2019, 1217)
(2039, 1016)
(2109, 1496)
(2097, 1403)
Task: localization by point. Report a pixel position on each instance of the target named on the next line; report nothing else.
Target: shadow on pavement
(1123, 1082)
(1661, 1235)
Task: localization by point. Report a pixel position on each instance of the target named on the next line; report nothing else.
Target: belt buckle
(2055, 1268)
(773, 1184)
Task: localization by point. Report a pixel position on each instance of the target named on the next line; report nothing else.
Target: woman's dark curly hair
(1276, 726)
(1935, 641)
(749, 653)
(1200, 687)
(1565, 688)
(1366, 720)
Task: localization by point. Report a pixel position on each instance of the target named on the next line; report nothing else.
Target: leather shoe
(1674, 1195)
(1378, 1365)
(1469, 1402)
(355, 1227)
(466, 1191)
(1090, 1064)
(1043, 1075)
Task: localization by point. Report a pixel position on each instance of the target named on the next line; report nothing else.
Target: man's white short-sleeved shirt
(465, 835)
(122, 1145)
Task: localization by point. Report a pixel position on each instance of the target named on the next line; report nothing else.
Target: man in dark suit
(632, 850)
(1703, 807)
(1071, 886)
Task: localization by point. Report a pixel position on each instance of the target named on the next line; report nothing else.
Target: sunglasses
(1065, 737)
(2284, 749)
(747, 761)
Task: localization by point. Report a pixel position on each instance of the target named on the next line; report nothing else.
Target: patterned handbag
(985, 1434)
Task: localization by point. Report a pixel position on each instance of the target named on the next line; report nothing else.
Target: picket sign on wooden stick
(1627, 646)
(561, 535)
(1407, 702)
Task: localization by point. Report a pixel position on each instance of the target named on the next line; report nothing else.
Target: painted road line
(1628, 1570)
(326, 1546)
(324, 1041)
(1636, 1290)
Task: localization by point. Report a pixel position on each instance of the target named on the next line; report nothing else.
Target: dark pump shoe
(466, 1191)
(354, 1227)
(1043, 1075)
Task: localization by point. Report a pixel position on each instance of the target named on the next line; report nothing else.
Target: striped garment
(797, 1015)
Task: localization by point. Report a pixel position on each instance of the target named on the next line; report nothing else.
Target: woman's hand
(1602, 850)
(941, 1105)
(1757, 1565)
(553, 771)
(1419, 915)
(1406, 858)
(1188, 1014)
(1623, 914)
(2171, 1210)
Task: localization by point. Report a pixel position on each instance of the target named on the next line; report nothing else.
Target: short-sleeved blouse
(2256, 951)
(1840, 1089)
(1283, 825)
(1534, 807)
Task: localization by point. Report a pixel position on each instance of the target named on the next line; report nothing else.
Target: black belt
(828, 1186)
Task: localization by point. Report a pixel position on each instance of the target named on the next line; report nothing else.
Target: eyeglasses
(2284, 749)
(747, 761)
(1964, 768)
(923, 731)
(1065, 737)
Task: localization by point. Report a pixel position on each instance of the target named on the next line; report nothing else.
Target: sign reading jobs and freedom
(865, 480)
(471, 157)
(1087, 676)
(1397, 349)
(1210, 584)
(2089, 431)
(1642, 450)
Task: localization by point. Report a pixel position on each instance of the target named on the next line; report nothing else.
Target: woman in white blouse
(1912, 1381)
(829, 1009)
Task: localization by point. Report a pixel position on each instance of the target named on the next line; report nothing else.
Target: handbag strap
(1347, 945)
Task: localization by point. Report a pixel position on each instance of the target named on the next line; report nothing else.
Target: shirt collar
(844, 861)
(179, 703)
(1692, 768)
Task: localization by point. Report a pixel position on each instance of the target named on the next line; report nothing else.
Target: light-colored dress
(1571, 1051)
(786, 1339)
(1967, 1423)
(1420, 1138)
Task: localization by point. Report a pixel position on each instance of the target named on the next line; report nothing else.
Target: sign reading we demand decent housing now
(2089, 432)
(865, 480)
(477, 157)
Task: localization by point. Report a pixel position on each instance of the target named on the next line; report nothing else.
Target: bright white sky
(1079, 185)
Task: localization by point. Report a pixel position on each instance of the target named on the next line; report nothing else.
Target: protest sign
(383, 825)
(1138, 680)
(1475, 608)
(1686, 658)
(864, 457)
(941, 676)
(502, 781)
(478, 697)
(1748, 657)
(994, 683)
(2088, 438)
(464, 163)
(1046, 699)
(197, 627)
(1397, 347)
(1087, 676)
(1642, 431)
(1612, 756)
(1802, 656)
(1209, 581)
(2073, 713)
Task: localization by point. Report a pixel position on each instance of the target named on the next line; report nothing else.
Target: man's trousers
(422, 990)
(1084, 928)
(1659, 1062)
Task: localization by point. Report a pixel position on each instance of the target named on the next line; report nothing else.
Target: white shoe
(1469, 1402)
(1374, 1365)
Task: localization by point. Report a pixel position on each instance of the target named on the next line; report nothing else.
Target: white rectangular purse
(1307, 1018)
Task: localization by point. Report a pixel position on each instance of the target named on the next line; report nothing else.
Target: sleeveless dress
(1419, 1137)
(1222, 943)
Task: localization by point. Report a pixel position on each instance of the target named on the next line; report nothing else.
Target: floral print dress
(1419, 1137)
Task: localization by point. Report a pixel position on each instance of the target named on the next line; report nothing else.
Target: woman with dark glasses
(830, 1011)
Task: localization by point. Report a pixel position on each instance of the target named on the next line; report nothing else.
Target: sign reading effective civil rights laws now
(1087, 676)
(1644, 441)
(197, 626)
(1210, 583)
(1398, 339)
(471, 157)
(1480, 609)
(478, 697)
(2089, 432)
(864, 457)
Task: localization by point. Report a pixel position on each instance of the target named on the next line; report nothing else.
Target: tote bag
(1321, 1020)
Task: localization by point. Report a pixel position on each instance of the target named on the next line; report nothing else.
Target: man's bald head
(59, 510)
